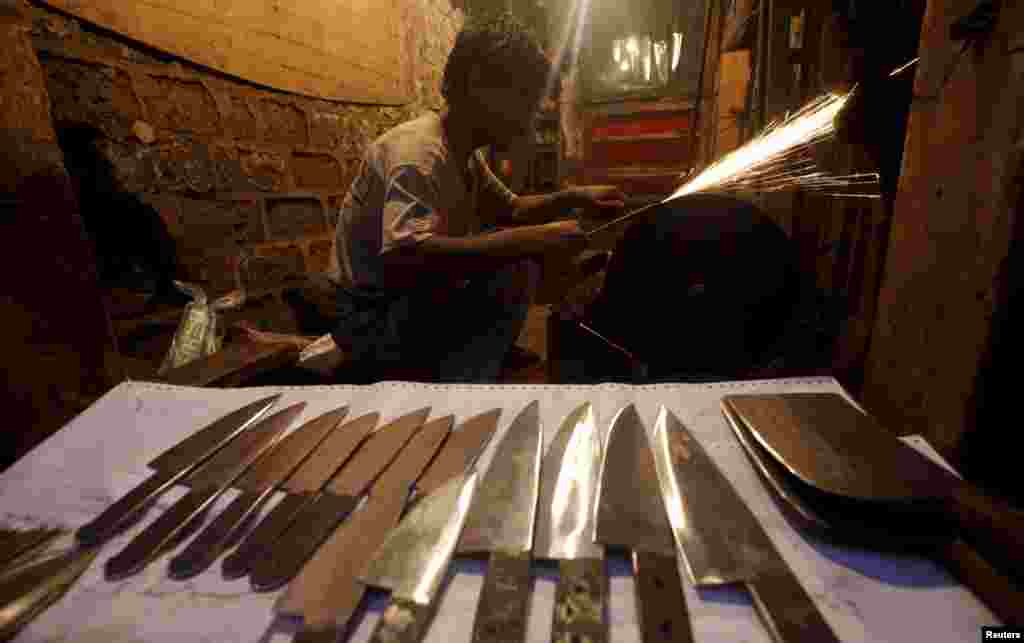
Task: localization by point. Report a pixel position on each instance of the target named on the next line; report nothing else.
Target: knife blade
(462, 448)
(565, 527)
(853, 525)
(15, 545)
(327, 591)
(721, 540)
(258, 484)
(207, 483)
(501, 521)
(302, 485)
(27, 591)
(631, 514)
(830, 444)
(172, 466)
(335, 501)
(413, 561)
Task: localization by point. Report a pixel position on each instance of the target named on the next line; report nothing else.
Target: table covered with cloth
(103, 453)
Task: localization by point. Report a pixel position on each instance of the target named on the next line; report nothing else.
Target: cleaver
(881, 527)
(827, 443)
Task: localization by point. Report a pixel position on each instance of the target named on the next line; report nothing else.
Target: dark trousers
(456, 334)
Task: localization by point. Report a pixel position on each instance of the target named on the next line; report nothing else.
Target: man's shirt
(408, 188)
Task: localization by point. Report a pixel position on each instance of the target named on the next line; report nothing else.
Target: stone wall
(232, 168)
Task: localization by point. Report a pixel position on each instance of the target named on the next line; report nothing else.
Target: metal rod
(626, 216)
(607, 341)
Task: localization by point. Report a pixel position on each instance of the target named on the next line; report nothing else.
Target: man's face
(505, 110)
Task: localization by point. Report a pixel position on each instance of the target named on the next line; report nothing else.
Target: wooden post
(952, 225)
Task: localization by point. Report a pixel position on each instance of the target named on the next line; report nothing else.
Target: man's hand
(552, 238)
(599, 200)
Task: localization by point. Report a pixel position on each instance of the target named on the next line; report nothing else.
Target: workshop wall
(60, 353)
(232, 168)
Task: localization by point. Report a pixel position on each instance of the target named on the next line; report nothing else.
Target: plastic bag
(201, 330)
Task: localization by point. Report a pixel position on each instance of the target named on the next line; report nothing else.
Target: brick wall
(232, 168)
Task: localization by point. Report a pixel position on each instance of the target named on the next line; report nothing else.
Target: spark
(902, 67)
(780, 157)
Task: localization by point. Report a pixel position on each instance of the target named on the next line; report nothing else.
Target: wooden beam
(951, 228)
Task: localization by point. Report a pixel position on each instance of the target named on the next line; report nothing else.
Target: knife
(27, 591)
(333, 503)
(173, 465)
(302, 485)
(631, 514)
(327, 591)
(856, 523)
(463, 447)
(501, 521)
(258, 485)
(413, 561)
(565, 527)
(828, 443)
(207, 483)
(16, 545)
(721, 540)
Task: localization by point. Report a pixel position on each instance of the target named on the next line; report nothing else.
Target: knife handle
(159, 534)
(204, 548)
(664, 616)
(402, 622)
(311, 527)
(786, 609)
(580, 602)
(126, 509)
(990, 585)
(240, 562)
(993, 526)
(321, 634)
(501, 613)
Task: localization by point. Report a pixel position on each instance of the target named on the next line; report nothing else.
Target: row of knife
(407, 497)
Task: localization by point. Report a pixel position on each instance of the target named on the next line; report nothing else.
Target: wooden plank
(951, 229)
(339, 51)
(233, 365)
(733, 85)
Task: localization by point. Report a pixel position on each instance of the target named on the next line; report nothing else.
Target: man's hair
(499, 44)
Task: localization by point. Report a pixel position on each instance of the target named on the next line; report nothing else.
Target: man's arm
(597, 200)
(438, 259)
(538, 209)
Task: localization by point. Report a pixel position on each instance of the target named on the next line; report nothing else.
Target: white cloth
(102, 454)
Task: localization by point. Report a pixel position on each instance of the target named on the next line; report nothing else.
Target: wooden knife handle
(159, 534)
(501, 613)
(127, 509)
(312, 526)
(786, 609)
(325, 634)
(204, 548)
(990, 585)
(580, 602)
(993, 527)
(239, 562)
(664, 617)
(402, 622)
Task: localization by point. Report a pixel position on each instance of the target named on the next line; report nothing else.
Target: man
(424, 293)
